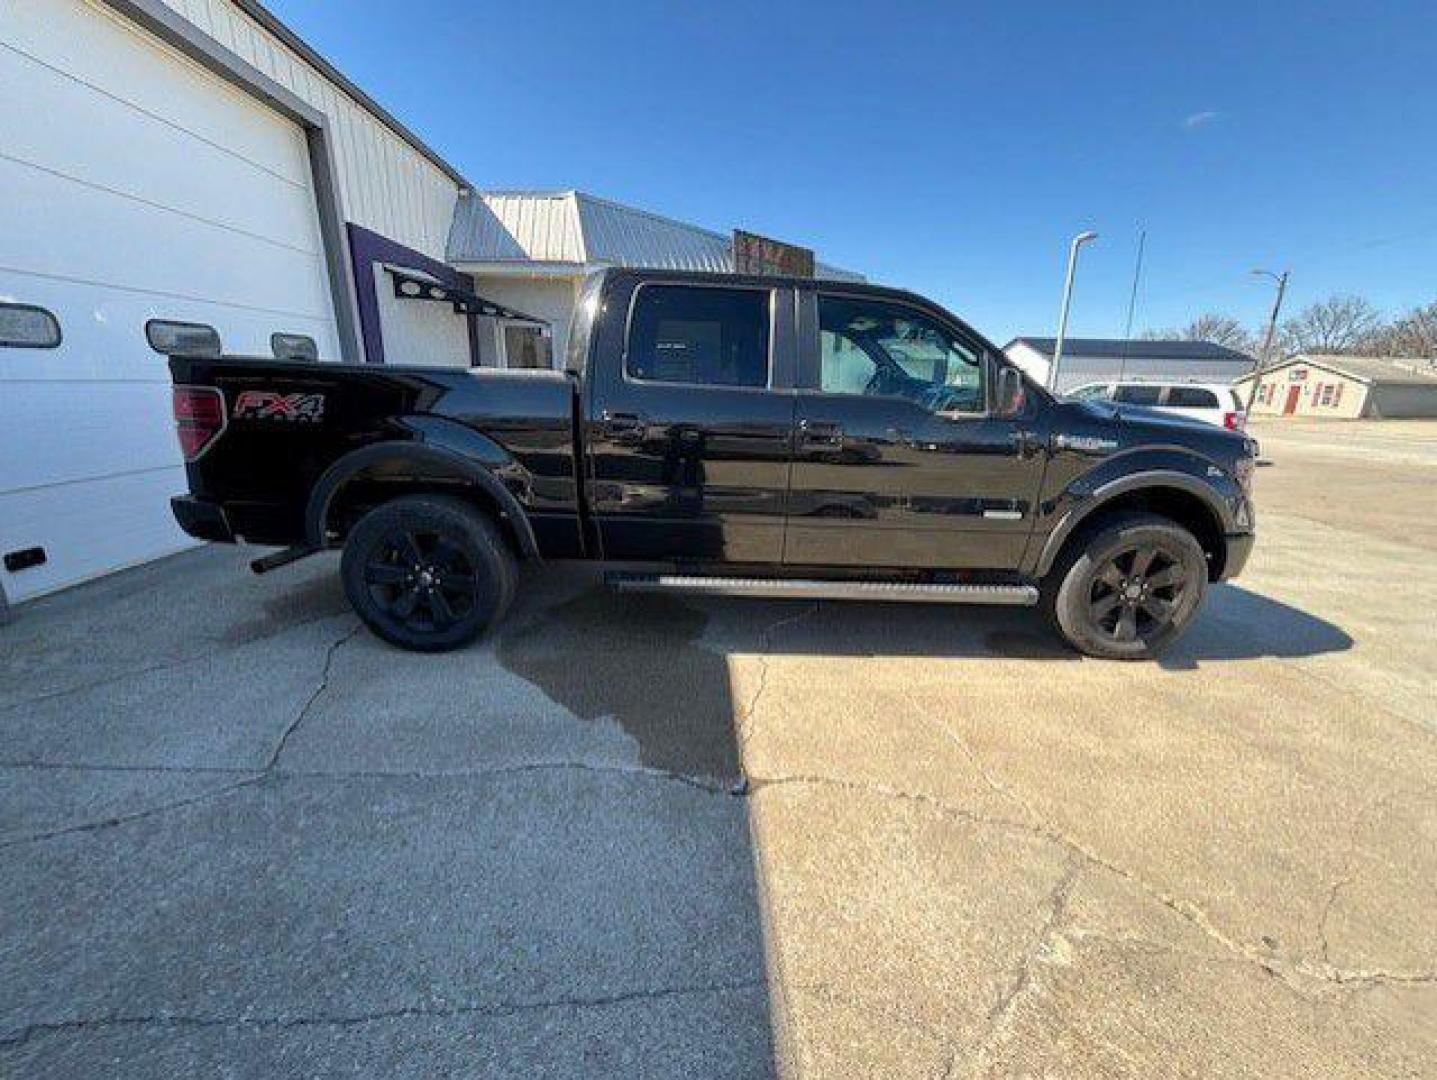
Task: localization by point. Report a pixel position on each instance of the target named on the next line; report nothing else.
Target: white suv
(1217, 403)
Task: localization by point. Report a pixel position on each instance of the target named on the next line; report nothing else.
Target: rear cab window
(700, 336)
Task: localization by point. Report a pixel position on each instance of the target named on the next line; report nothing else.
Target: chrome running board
(805, 589)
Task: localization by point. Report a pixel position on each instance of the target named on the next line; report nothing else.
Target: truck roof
(863, 288)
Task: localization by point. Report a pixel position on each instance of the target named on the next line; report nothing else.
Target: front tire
(428, 573)
(1129, 589)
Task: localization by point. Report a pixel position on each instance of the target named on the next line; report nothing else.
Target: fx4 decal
(291, 408)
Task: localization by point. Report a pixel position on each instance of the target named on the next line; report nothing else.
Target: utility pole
(1259, 368)
(1078, 241)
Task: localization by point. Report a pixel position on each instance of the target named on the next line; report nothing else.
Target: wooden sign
(754, 254)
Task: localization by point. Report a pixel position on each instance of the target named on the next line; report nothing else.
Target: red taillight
(199, 418)
(1233, 421)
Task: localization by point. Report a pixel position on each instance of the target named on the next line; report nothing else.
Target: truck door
(901, 459)
(690, 419)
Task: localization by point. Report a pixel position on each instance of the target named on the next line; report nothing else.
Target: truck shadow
(659, 667)
(658, 664)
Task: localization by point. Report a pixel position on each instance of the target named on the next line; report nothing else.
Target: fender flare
(442, 463)
(1126, 485)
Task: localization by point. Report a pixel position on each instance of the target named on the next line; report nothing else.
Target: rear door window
(1191, 397)
(1137, 395)
(700, 336)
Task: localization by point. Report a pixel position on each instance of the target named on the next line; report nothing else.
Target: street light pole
(1259, 367)
(1078, 241)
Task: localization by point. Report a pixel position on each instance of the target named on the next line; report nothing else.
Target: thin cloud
(1200, 119)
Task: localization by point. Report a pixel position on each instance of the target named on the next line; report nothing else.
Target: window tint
(293, 347)
(182, 338)
(700, 335)
(1191, 397)
(878, 348)
(25, 326)
(1138, 395)
(1091, 393)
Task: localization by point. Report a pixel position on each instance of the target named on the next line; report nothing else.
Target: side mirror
(1010, 391)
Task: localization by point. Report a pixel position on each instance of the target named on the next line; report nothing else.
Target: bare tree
(1210, 326)
(1412, 337)
(1339, 324)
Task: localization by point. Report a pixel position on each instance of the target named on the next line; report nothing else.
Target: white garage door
(134, 185)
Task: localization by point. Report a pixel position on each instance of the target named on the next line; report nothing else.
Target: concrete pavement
(646, 836)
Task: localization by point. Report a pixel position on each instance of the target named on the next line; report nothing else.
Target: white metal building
(190, 171)
(1344, 388)
(1087, 360)
(186, 162)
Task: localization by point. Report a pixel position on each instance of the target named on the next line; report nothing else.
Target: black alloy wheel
(1137, 593)
(1127, 588)
(428, 572)
(420, 579)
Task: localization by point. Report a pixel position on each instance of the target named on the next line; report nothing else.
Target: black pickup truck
(722, 434)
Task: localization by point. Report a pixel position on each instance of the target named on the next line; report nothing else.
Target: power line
(1132, 304)
(1317, 258)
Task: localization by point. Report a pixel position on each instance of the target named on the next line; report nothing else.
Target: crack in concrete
(1185, 909)
(759, 784)
(250, 776)
(1190, 912)
(500, 1009)
(319, 690)
(138, 815)
(1344, 878)
(707, 785)
(223, 649)
(182, 770)
(765, 657)
(1000, 1016)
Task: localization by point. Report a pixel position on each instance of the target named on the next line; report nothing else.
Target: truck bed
(288, 425)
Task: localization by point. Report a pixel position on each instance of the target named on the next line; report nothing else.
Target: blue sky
(953, 148)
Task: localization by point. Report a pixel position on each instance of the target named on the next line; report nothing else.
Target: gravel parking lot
(660, 837)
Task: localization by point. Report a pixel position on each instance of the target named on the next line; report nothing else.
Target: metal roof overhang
(417, 285)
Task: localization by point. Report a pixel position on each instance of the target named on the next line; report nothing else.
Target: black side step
(807, 589)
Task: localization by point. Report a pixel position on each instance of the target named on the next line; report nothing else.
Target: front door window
(878, 348)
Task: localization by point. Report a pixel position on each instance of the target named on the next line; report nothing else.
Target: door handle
(624, 428)
(825, 434)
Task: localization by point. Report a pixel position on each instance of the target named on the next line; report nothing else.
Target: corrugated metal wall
(385, 184)
(522, 227)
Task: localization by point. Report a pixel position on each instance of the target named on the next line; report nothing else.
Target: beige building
(1343, 387)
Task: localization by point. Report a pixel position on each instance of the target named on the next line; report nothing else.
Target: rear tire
(1128, 589)
(428, 573)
